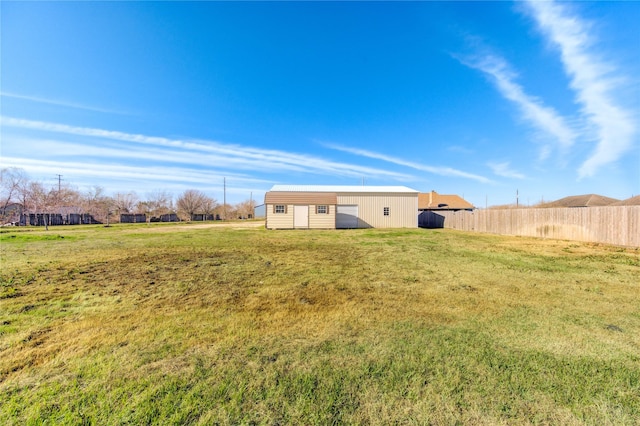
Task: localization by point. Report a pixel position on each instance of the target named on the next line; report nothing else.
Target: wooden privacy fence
(617, 225)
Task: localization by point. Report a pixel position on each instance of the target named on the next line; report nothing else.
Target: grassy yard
(180, 324)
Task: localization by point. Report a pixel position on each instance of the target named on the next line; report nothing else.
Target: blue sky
(480, 99)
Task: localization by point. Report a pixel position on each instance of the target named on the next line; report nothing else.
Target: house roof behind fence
(587, 200)
(633, 201)
(432, 201)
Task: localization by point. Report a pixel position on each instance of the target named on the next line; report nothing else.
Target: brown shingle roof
(587, 200)
(434, 201)
(282, 197)
(633, 201)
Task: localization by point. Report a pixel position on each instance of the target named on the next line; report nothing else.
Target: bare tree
(34, 195)
(193, 203)
(13, 182)
(209, 206)
(157, 203)
(65, 198)
(190, 203)
(225, 211)
(41, 201)
(245, 209)
(125, 203)
(106, 206)
(146, 208)
(97, 204)
(91, 198)
(161, 202)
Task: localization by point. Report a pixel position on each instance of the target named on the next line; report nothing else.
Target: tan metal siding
(403, 209)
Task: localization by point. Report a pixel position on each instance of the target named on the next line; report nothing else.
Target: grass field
(179, 324)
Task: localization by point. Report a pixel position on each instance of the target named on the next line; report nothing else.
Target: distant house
(10, 214)
(340, 207)
(429, 204)
(434, 201)
(633, 201)
(587, 200)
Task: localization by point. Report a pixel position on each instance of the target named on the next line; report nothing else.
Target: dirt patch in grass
(209, 225)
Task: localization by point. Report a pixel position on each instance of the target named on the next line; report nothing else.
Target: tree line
(21, 195)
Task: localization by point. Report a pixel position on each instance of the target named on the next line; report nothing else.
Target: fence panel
(617, 225)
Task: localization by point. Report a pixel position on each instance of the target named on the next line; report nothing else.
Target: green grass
(183, 324)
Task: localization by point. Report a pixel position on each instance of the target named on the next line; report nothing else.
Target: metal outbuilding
(260, 212)
(340, 206)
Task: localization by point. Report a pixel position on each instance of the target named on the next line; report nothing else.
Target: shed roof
(284, 197)
(344, 188)
(432, 201)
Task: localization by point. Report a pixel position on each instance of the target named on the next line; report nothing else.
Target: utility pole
(59, 182)
(224, 205)
(517, 199)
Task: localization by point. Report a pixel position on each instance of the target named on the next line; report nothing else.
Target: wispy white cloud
(123, 178)
(160, 174)
(504, 170)
(442, 171)
(222, 156)
(543, 118)
(593, 79)
(118, 153)
(59, 103)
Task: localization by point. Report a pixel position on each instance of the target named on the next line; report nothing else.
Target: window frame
(326, 209)
(386, 211)
(284, 209)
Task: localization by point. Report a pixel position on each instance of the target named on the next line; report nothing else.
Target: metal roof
(343, 188)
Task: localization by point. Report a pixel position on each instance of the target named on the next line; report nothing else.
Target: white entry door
(300, 216)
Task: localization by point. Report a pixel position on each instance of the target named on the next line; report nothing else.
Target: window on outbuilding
(279, 208)
(322, 209)
(385, 211)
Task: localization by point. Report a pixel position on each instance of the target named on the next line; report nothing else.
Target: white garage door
(347, 217)
(300, 216)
